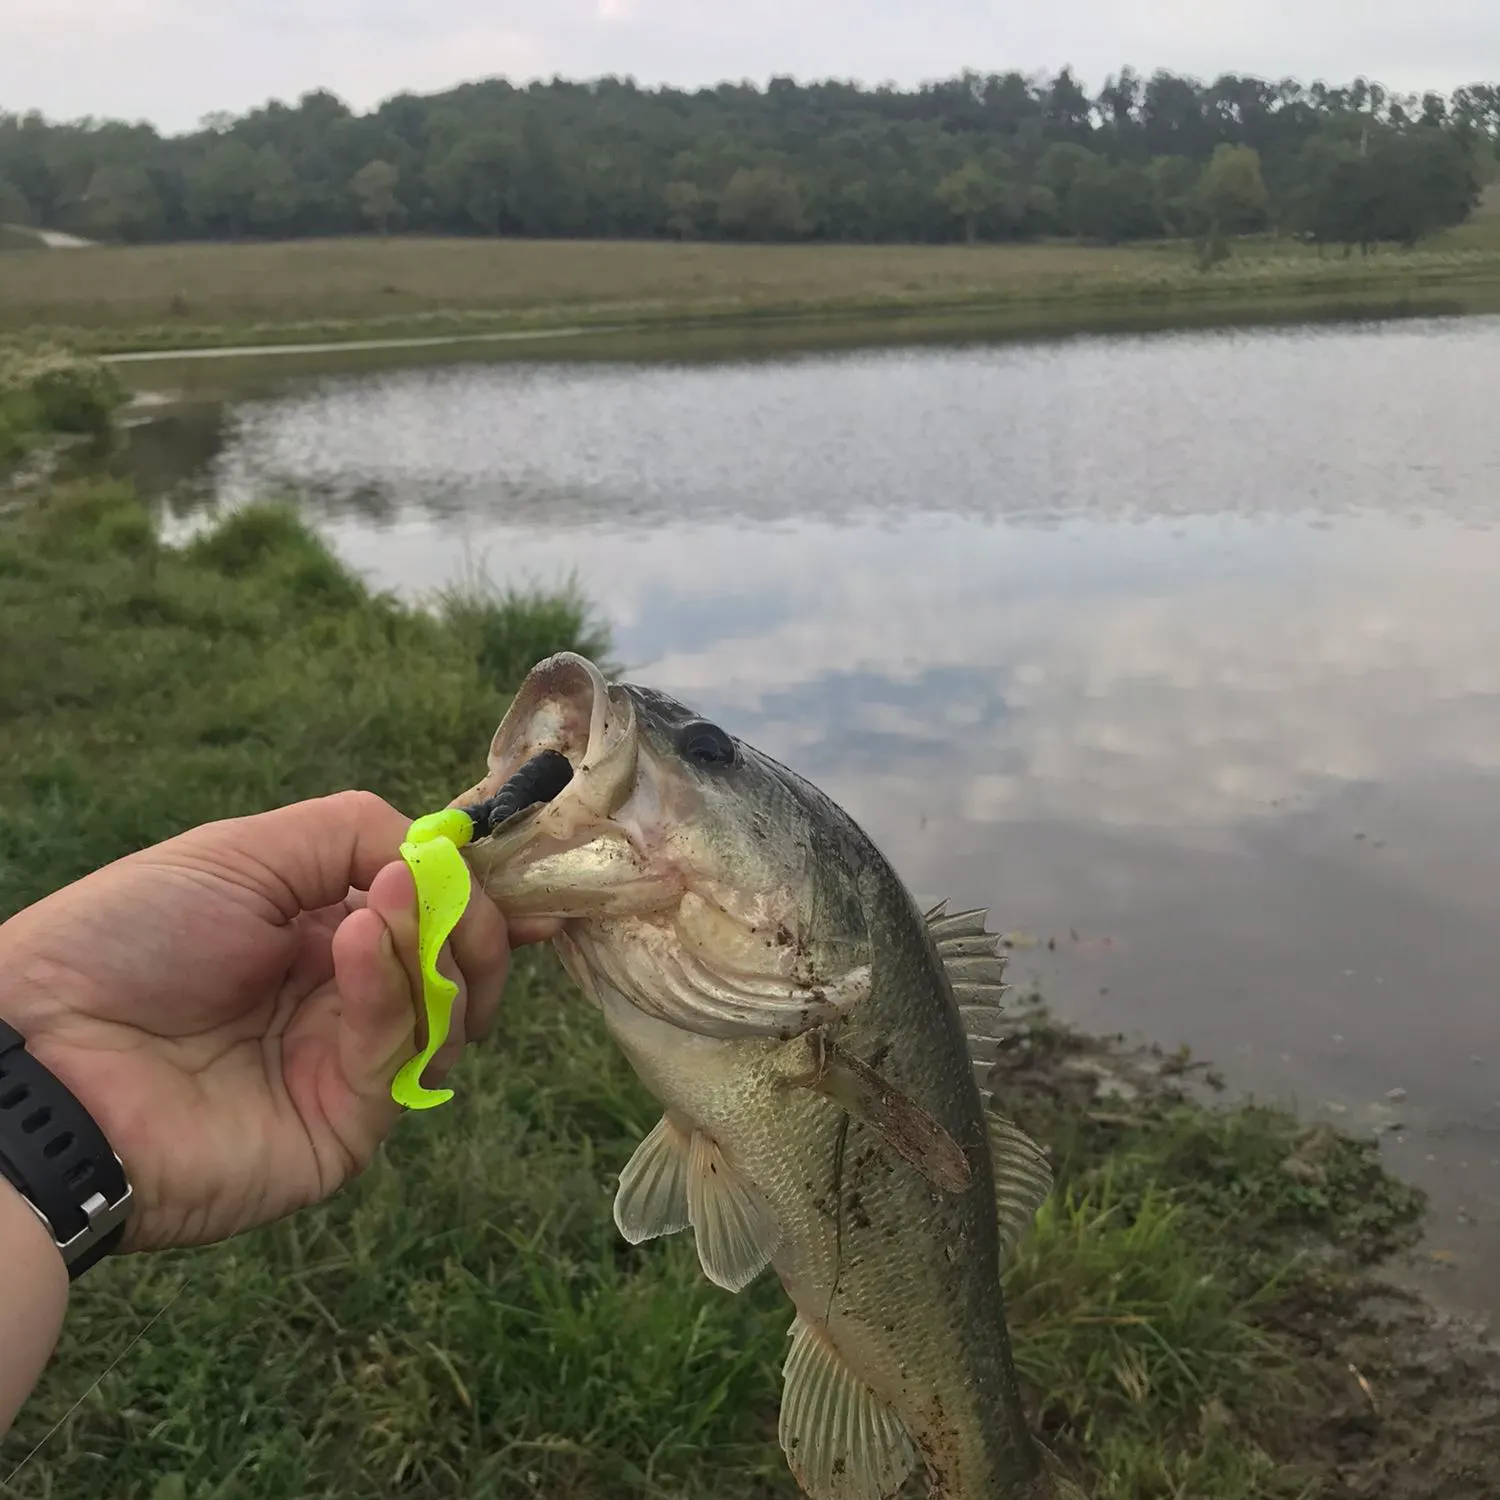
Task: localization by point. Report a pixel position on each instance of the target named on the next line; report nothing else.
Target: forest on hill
(999, 156)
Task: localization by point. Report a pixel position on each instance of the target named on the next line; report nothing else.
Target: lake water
(1182, 651)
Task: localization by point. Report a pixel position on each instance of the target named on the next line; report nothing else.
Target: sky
(174, 61)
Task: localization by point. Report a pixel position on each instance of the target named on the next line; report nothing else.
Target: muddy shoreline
(1405, 1395)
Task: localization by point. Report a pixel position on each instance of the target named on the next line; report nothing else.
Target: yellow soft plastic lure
(431, 852)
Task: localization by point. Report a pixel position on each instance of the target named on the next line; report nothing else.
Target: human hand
(232, 1005)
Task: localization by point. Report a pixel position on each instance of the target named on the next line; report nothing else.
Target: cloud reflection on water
(1131, 636)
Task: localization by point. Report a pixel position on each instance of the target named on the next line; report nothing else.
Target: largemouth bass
(810, 1034)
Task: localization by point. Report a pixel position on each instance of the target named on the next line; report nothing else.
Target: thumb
(377, 966)
(380, 1016)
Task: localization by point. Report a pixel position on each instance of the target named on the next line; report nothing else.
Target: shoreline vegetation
(159, 299)
(572, 208)
(51, 397)
(1205, 1308)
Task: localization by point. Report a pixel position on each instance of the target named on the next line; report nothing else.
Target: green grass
(186, 296)
(47, 394)
(465, 1321)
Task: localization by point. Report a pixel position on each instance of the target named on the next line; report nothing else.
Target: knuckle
(358, 806)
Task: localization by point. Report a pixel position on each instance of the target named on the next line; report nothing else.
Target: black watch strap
(58, 1158)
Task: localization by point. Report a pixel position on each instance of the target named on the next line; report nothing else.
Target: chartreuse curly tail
(431, 852)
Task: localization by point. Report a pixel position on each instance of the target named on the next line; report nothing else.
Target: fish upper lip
(565, 704)
(558, 707)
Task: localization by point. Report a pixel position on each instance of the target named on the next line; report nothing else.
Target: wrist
(33, 1300)
(29, 1249)
(57, 1161)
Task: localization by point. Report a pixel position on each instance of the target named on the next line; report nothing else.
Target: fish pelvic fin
(842, 1442)
(678, 1177)
(976, 968)
(652, 1198)
(735, 1231)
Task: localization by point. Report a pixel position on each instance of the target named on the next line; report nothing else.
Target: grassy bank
(187, 296)
(47, 395)
(466, 1321)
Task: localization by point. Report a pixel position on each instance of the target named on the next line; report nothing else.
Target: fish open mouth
(555, 835)
(590, 815)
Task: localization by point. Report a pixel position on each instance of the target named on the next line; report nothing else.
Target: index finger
(306, 855)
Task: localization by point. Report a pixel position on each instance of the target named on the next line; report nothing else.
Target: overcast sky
(172, 61)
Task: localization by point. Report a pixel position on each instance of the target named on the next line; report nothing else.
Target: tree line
(977, 157)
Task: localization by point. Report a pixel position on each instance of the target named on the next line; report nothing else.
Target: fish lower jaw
(591, 873)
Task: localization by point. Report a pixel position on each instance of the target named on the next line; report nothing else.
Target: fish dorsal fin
(841, 1440)
(976, 969)
(1023, 1179)
(678, 1178)
(970, 954)
(735, 1231)
(652, 1199)
(1023, 1175)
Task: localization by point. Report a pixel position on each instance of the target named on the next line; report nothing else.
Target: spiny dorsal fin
(970, 954)
(841, 1440)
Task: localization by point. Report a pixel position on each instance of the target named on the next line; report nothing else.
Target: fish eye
(705, 744)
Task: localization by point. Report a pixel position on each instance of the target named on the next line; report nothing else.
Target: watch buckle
(102, 1216)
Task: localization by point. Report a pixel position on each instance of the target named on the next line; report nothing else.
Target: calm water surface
(1181, 650)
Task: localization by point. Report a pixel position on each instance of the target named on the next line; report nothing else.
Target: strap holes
(57, 1145)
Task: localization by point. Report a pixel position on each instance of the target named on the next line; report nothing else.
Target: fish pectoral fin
(842, 1442)
(735, 1231)
(911, 1131)
(652, 1198)
(1023, 1179)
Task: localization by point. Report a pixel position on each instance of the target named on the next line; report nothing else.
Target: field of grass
(184, 296)
(465, 1322)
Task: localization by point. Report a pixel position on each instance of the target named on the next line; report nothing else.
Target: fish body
(810, 1034)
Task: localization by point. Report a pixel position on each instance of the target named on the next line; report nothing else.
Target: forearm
(33, 1299)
